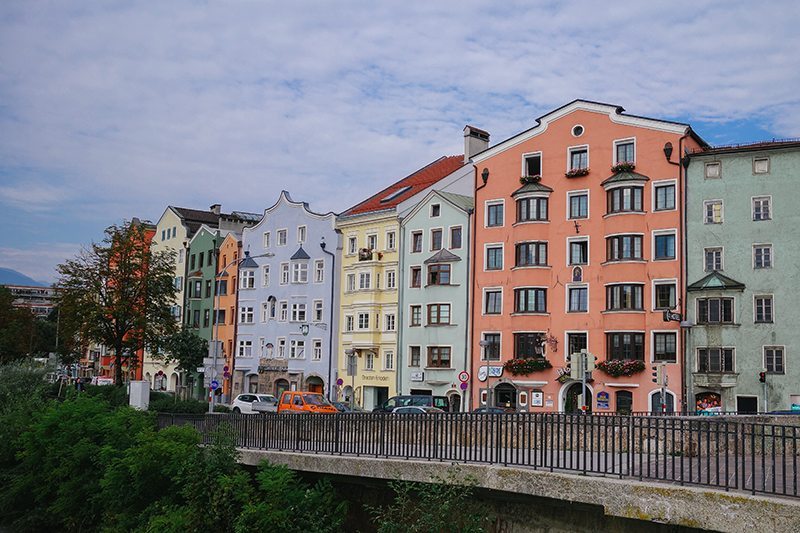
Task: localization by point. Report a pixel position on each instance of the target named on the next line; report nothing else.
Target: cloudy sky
(115, 109)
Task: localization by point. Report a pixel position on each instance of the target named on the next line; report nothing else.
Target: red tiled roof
(416, 182)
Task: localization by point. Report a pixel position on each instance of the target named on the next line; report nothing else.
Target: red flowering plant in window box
(530, 179)
(621, 367)
(576, 172)
(623, 166)
(520, 367)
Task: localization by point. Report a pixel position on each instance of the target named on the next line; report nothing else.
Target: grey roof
(532, 187)
(248, 262)
(464, 202)
(624, 176)
(245, 216)
(300, 254)
(716, 281)
(442, 256)
(194, 218)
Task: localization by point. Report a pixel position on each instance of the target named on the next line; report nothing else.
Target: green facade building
(743, 252)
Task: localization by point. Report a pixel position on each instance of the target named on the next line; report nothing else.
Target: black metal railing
(724, 453)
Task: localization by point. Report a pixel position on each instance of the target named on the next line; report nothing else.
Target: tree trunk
(118, 365)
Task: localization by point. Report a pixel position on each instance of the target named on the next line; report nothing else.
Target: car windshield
(266, 398)
(315, 399)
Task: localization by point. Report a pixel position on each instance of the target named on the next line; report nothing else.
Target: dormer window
(436, 210)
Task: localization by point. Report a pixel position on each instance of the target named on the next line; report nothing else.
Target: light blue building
(288, 297)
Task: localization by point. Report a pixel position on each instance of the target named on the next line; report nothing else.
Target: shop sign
(602, 400)
(418, 376)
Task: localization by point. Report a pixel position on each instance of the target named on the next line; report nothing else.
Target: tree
(187, 349)
(16, 328)
(118, 293)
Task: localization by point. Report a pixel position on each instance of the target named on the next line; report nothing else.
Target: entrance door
(381, 395)
(314, 384)
(281, 385)
(505, 396)
(455, 403)
(571, 402)
(746, 404)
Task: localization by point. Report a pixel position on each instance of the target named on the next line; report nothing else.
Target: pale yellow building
(369, 315)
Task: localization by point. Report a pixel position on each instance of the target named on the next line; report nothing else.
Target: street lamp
(215, 311)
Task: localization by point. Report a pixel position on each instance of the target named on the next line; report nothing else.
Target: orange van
(305, 402)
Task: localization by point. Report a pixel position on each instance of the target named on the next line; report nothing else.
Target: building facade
(578, 247)
(434, 294)
(287, 300)
(225, 322)
(367, 353)
(742, 257)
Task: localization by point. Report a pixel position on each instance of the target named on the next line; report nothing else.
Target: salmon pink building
(578, 226)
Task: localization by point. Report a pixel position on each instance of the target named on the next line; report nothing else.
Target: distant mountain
(12, 277)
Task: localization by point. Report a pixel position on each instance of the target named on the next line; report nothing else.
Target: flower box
(624, 166)
(520, 367)
(576, 172)
(530, 179)
(617, 368)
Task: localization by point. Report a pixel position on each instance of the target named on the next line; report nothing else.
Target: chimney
(215, 208)
(475, 140)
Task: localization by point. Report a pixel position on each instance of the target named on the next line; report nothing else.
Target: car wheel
(237, 410)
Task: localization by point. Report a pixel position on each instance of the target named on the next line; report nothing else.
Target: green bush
(115, 396)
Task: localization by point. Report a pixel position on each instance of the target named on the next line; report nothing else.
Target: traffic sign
(340, 382)
(225, 369)
(463, 376)
(214, 385)
(464, 385)
(200, 369)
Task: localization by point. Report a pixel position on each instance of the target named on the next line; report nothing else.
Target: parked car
(344, 407)
(305, 402)
(420, 400)
(416, 409)
(266, 403)
(243, 403)
(489, 410)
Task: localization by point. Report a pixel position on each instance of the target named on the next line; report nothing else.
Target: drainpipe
(400, 311)
(330, 321)
(468, 332)
(471, 324)
(683, 188)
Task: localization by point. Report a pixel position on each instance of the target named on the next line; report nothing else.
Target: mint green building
(742, 261)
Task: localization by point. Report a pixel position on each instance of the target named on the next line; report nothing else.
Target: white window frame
(772, 307)
(371, 236)
(483, 348)
(708, 164)
(245, 348)
(569, 332)
(350, 282)
(762, 158)
(391, 279)
(267, 239)
(486, 247)
(319, 271)
(486, 204)
(665, 281)
(570, 240)
(349, 323)
(319, 311)
(431, 215)
(484, 300)
(297, 349)
(302, 234)
(721, 257)
(369, 361)
(283, 232)
(283, 311)
(720, 348)
(659, 232)
(764, 348)
(421, 242)
(753, 199)
(316, 349)
(524, 163)
(246, 315)
(576, 148)
(391, 240)
(663, 183)
(771, 255)
(296, 309)
(653, 345)
(247, 279)
(352, 244)
(265, 271)
(706, 203)
(359, 321)
(387, 318)
(441, 239)
(286, 274)
(361, 277)
(450, 236)
(388, 356)
(576, 285)
(411, 316)
(623, 141)
(579, 192)
(280, 348)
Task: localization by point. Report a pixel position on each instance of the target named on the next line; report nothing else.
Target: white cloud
(39, 260)
(130, 107)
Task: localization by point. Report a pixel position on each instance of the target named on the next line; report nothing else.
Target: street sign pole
(582, 365)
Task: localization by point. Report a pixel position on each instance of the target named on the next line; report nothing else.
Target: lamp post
(215, 312)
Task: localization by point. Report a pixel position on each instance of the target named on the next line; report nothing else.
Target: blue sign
(602, 400)
(214, 385)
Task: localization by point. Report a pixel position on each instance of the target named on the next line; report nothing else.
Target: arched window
(624, 401)
(655, 402)
(577, 274)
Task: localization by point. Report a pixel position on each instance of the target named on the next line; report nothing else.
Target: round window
(577, 130)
